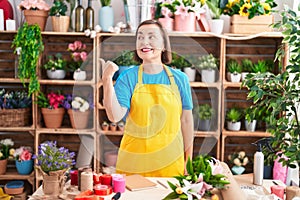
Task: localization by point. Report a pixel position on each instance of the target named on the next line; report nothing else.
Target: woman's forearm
(187, 128)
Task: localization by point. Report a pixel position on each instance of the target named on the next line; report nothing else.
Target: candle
(106, 179)
(10, 25)
(1, 20)
(86, 182)
(119, 184)
(74, 177)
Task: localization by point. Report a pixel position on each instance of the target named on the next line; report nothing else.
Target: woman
(157, 103)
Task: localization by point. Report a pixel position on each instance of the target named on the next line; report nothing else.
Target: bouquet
(249, 8)
(78, 54)
(204, 174)
(23, 153)
(77, 103)
(53, 158)
(6, 148)
(51, 101)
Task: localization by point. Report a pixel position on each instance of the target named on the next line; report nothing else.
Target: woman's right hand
(108, 68)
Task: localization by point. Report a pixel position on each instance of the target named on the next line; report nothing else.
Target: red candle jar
(106, 179)
(74, 177)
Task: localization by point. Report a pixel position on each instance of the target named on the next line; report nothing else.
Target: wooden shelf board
(227, 84)
(10, 175)
(202, 84)
(65, 131)
(245, 133)
(12, 80)
(66, 82)
(21, 129)
(206, 134)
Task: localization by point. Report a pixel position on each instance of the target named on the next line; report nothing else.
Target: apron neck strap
(169, 73)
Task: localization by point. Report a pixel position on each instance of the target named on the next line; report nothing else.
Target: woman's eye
(151, 37)
(140, 37)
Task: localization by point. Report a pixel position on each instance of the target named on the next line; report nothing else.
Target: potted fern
(233, 117)
(28, 45)
(60, 21)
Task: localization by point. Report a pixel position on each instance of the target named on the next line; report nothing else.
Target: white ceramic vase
(79, 75)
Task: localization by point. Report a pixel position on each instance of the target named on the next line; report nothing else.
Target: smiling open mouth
(146, 49)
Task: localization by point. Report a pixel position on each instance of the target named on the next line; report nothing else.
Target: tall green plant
(280, 94)
(105, 2)
(29, 40)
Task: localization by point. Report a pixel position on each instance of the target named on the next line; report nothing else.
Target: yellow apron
(152, 143)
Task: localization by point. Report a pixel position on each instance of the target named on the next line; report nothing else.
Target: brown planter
(79, 120)
(241, 24)
(60, 23)
(53, 117)
(3, 166)
(36, 17)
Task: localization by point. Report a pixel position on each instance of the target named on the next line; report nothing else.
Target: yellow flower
(1, 154)
(178, 190)
(237, 162)
(11, 152)
(214, 197)
(244, 9)
(203, 2)
(267, 7)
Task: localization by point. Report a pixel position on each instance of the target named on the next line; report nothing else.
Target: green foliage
(29, 40)
(207, 62)
(205, 111)
(59, 8)
(247, 65)
(279, 94)
(234, 114)
(250, 114)
(262, 66)
(214, 6)
(55, 62)
(233, 66)
(126, 58)
(179, 61)
(105, 2)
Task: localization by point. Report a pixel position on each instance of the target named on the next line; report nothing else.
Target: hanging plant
(29, 44)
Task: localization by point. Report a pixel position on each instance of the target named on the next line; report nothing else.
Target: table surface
(159, 192)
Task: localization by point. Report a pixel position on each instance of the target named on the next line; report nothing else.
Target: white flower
(87, 32)
(80, 104)
(93, 34)
(75, 104)
(192, 189)
(98, 28)
(7, 142)
(245, 161)
(237, 162)
(242, 154)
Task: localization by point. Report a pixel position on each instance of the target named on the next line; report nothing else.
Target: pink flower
(78, 53)
(26, 155)
(83, 56)
(182, 10)
(34, 4)
(166, 12)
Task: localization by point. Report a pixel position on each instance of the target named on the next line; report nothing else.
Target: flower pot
(190, 72)
(237, 170)
(235, 77)
(185, 23)
(53, 184)
(217, 26)
(167, 23)
(204, 125)
(36, 17)
(208, 75)
(105, 127)
(60, 23)
(79, 75)
(268, 171)
(57, 74)
(250, 126)
(3, 166)
(53, 117)
(234, 126)
(79, 120)
(244, 74)
(106, 18)
(24, 167)
(203, 22)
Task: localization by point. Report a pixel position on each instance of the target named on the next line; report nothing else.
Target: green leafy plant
(247, 65)
(207, 62)
(55, 62)
(105, 2)
(250, 114)
(29, 43)
(260, 67)
(249, 8)
(205, 111)
(214, 6)
(179, 61)
(234, 114)
(126, 58)
(233, 66)
(59, 8)
(203, 174)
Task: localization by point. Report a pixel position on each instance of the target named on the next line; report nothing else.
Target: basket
(15, 117)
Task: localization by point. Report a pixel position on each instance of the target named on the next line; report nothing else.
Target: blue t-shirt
(126, 82)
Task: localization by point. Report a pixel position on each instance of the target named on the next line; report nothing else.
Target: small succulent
(234, 115)
(207, 62)
(233, 66)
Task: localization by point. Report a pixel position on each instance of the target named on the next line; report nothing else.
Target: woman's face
(149, 43)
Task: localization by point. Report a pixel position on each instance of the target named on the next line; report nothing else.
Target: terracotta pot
(60, 23)
(53, 117)
(167, 23)
(36, 17)
(185, 23)
(3, 165)
(79, 120)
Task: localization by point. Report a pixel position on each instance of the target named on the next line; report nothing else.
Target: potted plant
(52, 108)
(233, 117)
(53, 162)
(205, 113)
(281, 93)
(269, 157)
(247, 66)
(105, 126)
(28, 43)
(56, 66)
(106, 15)
(35, 12)
(78, 109)
(250, 119)
(260, 67)
(23, 160)
(217, 24)
(60, 21)
(5, 147)
(208, 65)
(235, 69)
(239, 160)
(181, 62)
(15, 108)
(124, 61)
(78, 57)
(164, 15)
